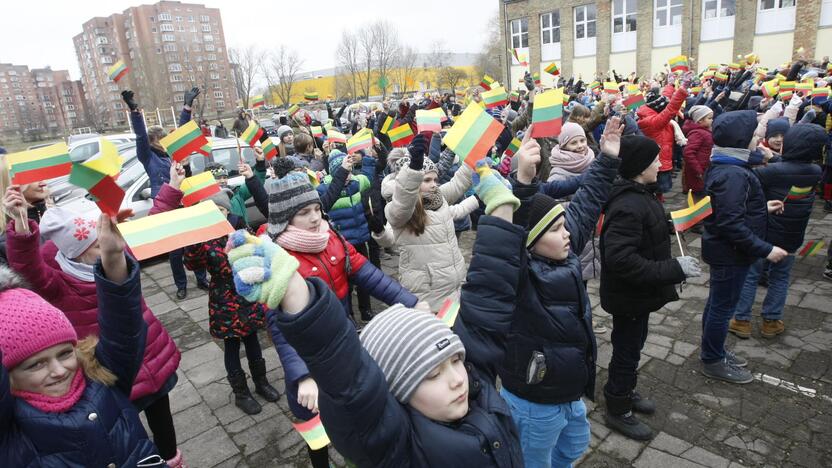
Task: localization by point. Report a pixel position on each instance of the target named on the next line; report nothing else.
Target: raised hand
(112, 245)
(611, 139)
(245, 170)
(191, 95)
(15, 205)
(529, 158)
(177, 175)
(128, 97)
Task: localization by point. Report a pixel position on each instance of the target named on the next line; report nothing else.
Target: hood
(803, 142)
(690, 126)
(734, 129)
(388, 185)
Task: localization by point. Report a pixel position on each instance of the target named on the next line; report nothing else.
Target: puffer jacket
(156, 163)
(697, 156)
(362, 418)
(804, 144)
(347, 213)
(79, 302)
(553, 313)
(103, 428)
(638, 274)
(430, 265)
(656, 126)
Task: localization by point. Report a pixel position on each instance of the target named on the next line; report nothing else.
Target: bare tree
(344, 85)
(347, 59)
(490, 59)
(247, 62)
(387, 48)
(153, 78)
(451, 77)
(285, 67)
(366, 51)
(404, 73)
(438, 57)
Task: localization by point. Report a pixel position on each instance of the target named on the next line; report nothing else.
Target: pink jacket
(79, 302)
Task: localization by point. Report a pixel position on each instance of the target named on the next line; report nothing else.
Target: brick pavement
(699, 422)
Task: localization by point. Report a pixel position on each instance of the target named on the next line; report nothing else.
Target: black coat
(637, 271)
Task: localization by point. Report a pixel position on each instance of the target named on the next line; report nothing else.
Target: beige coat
(430, 265)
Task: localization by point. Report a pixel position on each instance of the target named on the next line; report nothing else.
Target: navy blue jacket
(362, 418)
(553, 311)
(75, 438)
(804, 145)
(156, 163)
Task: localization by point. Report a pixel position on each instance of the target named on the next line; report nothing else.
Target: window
(118, 105)
(166, 27)
(205, 18)
(171, 57)
(178, 98)
(519, 33)
(190, 19)
(175, 78)
(106, 59)
(719, 8)
(220, 105)
(624, 15)
(178, 87)
(180, 28)
(208, 47)
(168, 38)
(718, 19)
(153, 29)
(826, 13)
(206, 28)
(208, 38)
(70, 107)
(101, 40)
(773, 4)
(211, 57)
(164, 16)
(218, 94)
(178, 19)
(170, 47)
(152, 19)
(550, 28)
(174, 67)
(776, 16)
(668, 12)
(585, 21)
(215, 76)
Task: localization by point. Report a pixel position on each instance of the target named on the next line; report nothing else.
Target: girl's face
(36, 192)
(443, 395)
(288, 138)
(554, 244)
(429, 183)
(49, 372)
(576, 145)
(775, 143)
(308, 218)
(707, 121)
(580, 119)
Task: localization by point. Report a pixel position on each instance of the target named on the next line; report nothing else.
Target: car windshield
(129, 175)
(266, 123)
(228, 157)
(84, 151)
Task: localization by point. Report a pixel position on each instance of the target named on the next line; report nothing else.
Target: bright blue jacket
(347, 213)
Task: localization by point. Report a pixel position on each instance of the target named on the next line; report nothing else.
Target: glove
(809, 116)
(127, 96)
(190, 96)
(261, 268)
(375, 223)
(492, 189)
(690, 266)
(527, 80)
(417, 149)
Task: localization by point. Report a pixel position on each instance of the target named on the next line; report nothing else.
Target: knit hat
(28, 324)
(282, 166)
(73, 233)
(636, 154)
(777, 126)
(542, 215)
(407, 345)
(698, 113)
(287, 196)
(427, 165)
(569, 131)
(283, 130)
(754, 103)
(221, 199)
(336, 158)
(217, 170)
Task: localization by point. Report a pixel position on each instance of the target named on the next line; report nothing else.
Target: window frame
(623, 15)
(667, 9)
(551, 29)
(520, 34)
(586, 21)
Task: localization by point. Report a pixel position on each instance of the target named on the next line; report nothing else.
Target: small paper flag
(313, 433)
(798, 193)
(448, 312)
(184, 141)
(634, 101)
(269, 149)
(388, 124)
(310, 96)
(39, 164)
(335, 136)
(611, 87)
(251, 134)
(486, 82)
(679, 64)
(361, 140)
(316, 131)
(473, 134)
(198, 187)
(117, 71)
(686, 218)
(427, 121)
(293, 109)
(811, 247)
(400, 135)
(512, 147)
(495, 97)
(552, 69)
(547, 114)
(258, 101)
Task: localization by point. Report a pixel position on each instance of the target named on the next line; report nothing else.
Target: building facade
(168, 47)
(40, 102)
(586, 37)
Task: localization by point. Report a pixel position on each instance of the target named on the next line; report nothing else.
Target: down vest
(78, 300)
(656, 126)
(103, 428)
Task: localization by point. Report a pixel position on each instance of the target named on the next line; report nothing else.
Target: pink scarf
(61, 404)
(300, 240)
(567, 164)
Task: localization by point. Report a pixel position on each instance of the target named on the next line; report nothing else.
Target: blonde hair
(5, 182)
(88, 363)
(154, 134)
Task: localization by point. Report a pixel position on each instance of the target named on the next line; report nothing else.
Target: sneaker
(828, 273)
(741, 328)
(643, 405)
(723, 370)
(772, 328)
(181, 293)
(599, 329)
(628, 425)
(735, 360)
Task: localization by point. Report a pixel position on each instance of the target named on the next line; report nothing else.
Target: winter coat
(315, 164)
(103, 428)
(362, 418)
(347, 213)
(553, 314)
(79, 302)
(242, 193)
(656, 126)
(787, 230)
(430, 265)
(697, 155)
(34, 213)
(638, 274)
(735, 233)
(156, 163)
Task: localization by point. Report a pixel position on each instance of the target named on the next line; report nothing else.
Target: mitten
(690, 266)
(492, 189)
(261, 268)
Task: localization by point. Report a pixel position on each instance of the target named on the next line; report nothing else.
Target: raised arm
(336, 185)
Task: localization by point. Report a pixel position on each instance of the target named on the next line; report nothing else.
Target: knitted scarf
(300, 240)
(432, 201)
(567, 164)
(60, 404)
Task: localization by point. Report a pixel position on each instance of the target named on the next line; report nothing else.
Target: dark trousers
(177, 266)
(726, 285)
(372, 251)
(232, 351)
(161, 426)
(628, 336)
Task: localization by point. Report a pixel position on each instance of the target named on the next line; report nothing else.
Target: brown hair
(579, 111)
(154, 134)
(418, 220)
(303, 143)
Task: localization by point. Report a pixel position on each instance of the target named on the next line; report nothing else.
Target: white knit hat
(72, 232)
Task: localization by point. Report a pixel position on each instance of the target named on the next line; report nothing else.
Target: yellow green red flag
(473, 134)
(39, 164)
(313, 433)
(547, 115)
(199, 187)
(184, 141)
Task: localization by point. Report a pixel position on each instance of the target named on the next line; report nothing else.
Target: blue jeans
(726, 284)
(778, 289)
(550, 435)
(177, 266)
(665, 181)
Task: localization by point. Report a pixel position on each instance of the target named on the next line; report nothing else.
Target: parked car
(81, 149)
(62, 191)
(41, 145)
(268, 126)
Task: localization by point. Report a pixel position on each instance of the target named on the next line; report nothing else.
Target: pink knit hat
(28, 325)
(569, 131)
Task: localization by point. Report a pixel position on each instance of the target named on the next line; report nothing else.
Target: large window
(550, 28)
(718, 19)
(719, 8)
(624, 15)
(775, 4)
(585, 21)
(519, 33)
(826, 13)
(668, 12)
(775, 16)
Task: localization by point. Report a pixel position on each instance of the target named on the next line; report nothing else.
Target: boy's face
(775, 142)
(443, 394)
(554, 245)
(49, 372)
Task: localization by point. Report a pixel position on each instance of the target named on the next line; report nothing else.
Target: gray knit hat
(221, 198)
(427, 165)
(407, 344)
(287, 196)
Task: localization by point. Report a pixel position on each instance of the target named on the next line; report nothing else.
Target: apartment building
(168, 48)
(586, 37)
(40, 102)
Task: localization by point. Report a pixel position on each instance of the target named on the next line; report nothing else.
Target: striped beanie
(407, 344)
(287, 196)
(542, 215)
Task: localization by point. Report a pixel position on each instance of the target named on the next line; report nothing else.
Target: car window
(230, 158)
(84, 151)
(198, 163)
(138, 195)
(130, 175)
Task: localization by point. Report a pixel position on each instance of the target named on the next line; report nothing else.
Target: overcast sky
(38, 33)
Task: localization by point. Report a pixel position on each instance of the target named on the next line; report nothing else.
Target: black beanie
(282, 165)
(636, 154)
(543, 213)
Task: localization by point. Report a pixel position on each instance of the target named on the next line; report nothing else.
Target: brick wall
(807, 14)
(744, 25)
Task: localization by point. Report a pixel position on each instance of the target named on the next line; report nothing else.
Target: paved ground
(782, 419)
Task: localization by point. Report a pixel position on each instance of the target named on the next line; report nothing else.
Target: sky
(38, 33)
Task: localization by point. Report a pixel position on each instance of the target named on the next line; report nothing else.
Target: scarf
(300, 240)
(432, 201)
(60, 404)
(75, 269)
(566, 164)
(736, 153)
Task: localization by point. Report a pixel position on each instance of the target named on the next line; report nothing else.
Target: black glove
(527, 79)
(191, 95)
(417, 149)
(374, 223)
(127, 95)
(381, 154)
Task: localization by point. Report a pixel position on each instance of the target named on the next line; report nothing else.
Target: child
(395, 397)
(697, 153)
(571, 156)
(550, 354)
(35, 194)
(64, 402)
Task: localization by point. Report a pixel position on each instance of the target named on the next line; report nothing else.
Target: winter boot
(642, 404)
(741, 328)
(319, 458)
(619, 417)
(261, 383)
(177, 462)
(242, 396)
(772, 328)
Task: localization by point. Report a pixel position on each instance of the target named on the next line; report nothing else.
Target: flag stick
(22, 221)
(679, 240)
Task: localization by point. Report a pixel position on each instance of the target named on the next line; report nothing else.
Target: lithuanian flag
(388, 124)
(251, 134)
(486, 82)
(428, 121)
(400, 135)
(334, 136)
(679, 64)
(361, 140)
(798, 193)
(313, 433)
(448, 313)
(269, 150)
(787, 85)
(205, 149)
(634, 101)
(198, 188)
(720, 77)
(694, 90)
(547, 115)
(810, 248)
(819, 95)
(117, 71)
(184, 141)
(316, 131)
(734, 67)
(804, 88)
(310, 96)
(611, 87)
(97, 176)
(536, 78)
(512, 147)
(521, 59)
(552, 69)
(161, 233)
(258, 101)
(39, 164)
(513, 96)
(595, 85)
(495, 97)
(473, 134)
(770, 88)
(686, 218)
(293, 109)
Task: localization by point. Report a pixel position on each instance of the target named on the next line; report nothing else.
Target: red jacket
(656, 125)
(697, 155)
(330, 264)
